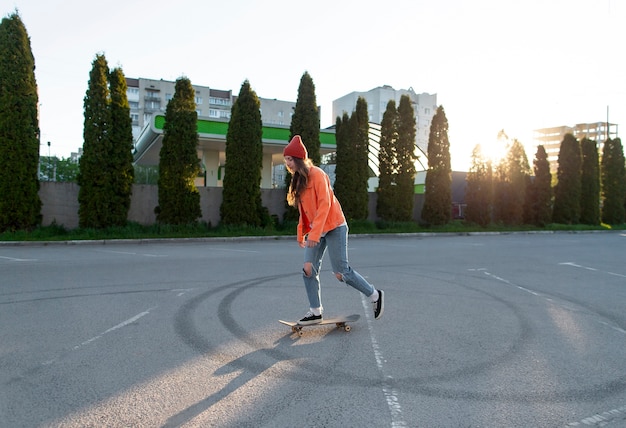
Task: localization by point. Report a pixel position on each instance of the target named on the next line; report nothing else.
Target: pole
(608, 125)
(49, 163)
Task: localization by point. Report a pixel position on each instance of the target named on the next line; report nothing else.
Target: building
(148, 100)
(212, 149)
(425, 106)
(148, 97)
(551, 138)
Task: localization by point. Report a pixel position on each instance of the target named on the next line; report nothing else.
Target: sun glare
(494, 151)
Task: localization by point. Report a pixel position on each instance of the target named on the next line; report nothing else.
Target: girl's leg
(337, 241)
(314, 255)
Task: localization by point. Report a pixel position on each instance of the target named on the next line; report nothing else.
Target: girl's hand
(311, 244)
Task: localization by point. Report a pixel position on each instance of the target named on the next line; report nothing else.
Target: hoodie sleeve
(322, 200)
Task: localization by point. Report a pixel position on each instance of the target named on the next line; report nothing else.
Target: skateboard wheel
(300, 332)
(347, 328)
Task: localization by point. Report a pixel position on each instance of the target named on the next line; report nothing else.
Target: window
(152, 95)
(214, 113)
(198, 100)
(219, 101)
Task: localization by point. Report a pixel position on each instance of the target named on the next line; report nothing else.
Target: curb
(286, 237)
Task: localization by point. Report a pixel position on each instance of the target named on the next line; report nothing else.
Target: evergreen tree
(361, 197)
(352, 170)
(179, 199)
(613, 182)
(405, 152)
(479, 190)
(501, 195)
(438, 194)
(590, 183)
(345, 160)
(241, 202)
(305, 121)
(120, 160)
(94, 175)
(388, 164)
(539, 193)
(513, 179)
(20, 206)
(568, 187)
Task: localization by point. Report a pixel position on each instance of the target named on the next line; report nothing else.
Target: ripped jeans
(336, 241)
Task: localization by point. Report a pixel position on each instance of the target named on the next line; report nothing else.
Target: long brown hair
(299, 180)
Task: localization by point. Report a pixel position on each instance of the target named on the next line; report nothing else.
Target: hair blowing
(299, 181)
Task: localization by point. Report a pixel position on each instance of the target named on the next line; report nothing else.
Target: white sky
(494, 64)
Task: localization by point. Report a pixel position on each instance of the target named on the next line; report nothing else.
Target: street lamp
(49, 163)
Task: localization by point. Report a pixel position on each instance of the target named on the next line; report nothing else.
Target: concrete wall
(60, 204)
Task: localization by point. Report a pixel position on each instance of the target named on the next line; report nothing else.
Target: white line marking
(534, 293)
(390, 393)
(117, 327)
(13, 259)
(128, 321)
(591, 269)
(129, 253)
(601, 419)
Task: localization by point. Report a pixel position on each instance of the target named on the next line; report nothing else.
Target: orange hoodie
(320, 211)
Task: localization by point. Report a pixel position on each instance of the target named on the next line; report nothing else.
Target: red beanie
(295, 148)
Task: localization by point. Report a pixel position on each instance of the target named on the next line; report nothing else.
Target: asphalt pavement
(480, 330)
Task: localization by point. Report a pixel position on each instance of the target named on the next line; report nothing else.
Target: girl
(322, 225)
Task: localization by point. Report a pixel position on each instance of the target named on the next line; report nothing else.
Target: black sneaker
(379, 305)
(310, 318)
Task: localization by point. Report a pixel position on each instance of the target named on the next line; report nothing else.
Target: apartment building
(424, 105)
(551, 138)
(148, 97)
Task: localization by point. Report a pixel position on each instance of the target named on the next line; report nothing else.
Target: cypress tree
(179, 199)
(514, 176)
(20, 206)
(405, 152)
(306, 123)
(345, 160)
(568, 187)
(361, 118)
(241, 203)
(352, 170)
(613, 182)
(501, 194)
(438, 195)
(93, 177)
(539, 193)
(120, 159)
(345, 168)
(306, 118)
(387, 164)
(590, 183)
(479, 190)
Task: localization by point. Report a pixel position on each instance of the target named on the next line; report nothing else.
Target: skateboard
(340, 322)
